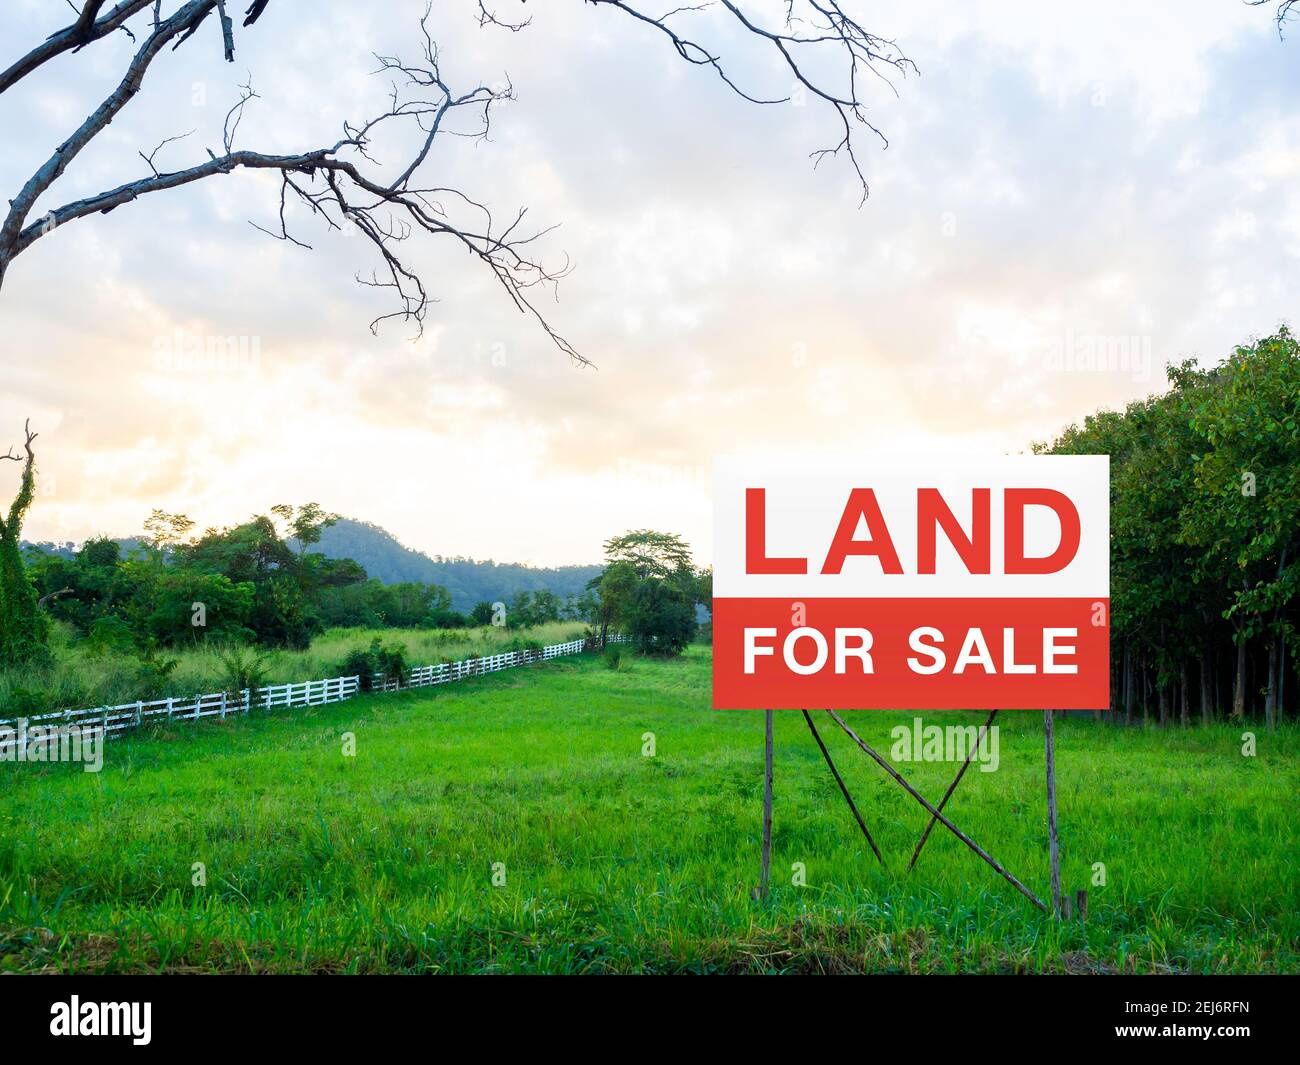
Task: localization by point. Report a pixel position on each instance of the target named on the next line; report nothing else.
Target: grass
(79, 678)
(614, 861)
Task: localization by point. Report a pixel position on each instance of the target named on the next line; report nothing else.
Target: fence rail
(114, 720)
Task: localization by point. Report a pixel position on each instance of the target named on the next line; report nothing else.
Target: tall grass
(80, 678)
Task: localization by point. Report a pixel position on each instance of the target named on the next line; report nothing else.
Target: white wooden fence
(116, 719)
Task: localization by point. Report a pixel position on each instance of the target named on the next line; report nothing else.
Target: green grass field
(614, 861)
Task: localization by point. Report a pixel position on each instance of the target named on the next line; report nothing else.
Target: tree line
(1205, 537)
(258, 583)
(1205, 561)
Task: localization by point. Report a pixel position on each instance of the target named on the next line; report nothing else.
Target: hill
(470, 581)
(385, 557)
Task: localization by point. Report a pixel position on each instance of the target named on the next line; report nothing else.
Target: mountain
(468, 580)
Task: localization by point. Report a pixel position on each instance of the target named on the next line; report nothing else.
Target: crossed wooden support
(936, 812)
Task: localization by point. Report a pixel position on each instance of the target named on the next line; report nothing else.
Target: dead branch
(342, 185)
(1285, 12)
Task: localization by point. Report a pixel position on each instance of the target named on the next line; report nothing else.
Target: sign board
(887, 584)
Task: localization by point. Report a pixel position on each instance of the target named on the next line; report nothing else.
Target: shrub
(613, 657)
(386, 660)
(243, 667)
(27, 701)
(390, 661)
(109, 635)
(153, 672)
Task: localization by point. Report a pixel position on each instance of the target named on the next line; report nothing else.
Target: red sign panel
(913, 587)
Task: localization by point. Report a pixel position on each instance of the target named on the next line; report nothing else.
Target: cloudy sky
(1071, 198)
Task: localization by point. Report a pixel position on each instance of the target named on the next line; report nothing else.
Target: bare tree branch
(341, 184)
(1285, 12)
(88, 27)
(811, 28)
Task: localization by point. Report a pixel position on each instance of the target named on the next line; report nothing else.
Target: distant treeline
(1205, 537)
(258, 582)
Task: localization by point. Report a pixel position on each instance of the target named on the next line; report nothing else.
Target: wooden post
(766, 864)
(843, 789)
(1054, 842)
(951, 788)
(902, 782)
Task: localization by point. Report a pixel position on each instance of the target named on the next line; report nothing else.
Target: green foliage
(385, 663)
(528, 609)
(613, 656)
(99, 552)
(306, 524)
(243, 667)
(79, 676)
(649, 590)
(262, 582)
(109, 635)
(1205, 527)
(660, 617)
(650, 553)
(24, 629)
(153, 671)
(183, 605)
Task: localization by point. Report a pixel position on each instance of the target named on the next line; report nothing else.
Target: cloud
(1064, 207)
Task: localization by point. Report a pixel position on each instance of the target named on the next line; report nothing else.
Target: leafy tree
(165, 532)
(184, 606)
(99, 553)
(660, 617)
(650, 553)
(24, 630)
(650, 589)
(1246, 511)
(306, 524)
(1205, 531)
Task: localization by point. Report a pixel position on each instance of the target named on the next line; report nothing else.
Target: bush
(613, 657)
(387, 660)
(57, 694)
(109, 635)
(153, 673)
(390, 661)
(243, 667)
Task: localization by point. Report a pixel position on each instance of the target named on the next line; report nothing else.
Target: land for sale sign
(913, 584)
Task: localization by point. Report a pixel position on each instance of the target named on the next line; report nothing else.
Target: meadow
(79, 677)
(516, 823)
